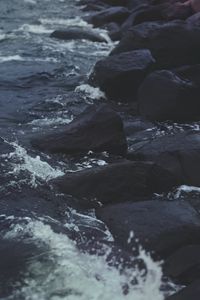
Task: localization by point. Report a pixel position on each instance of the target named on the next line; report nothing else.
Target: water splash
(38, 170)
(69, 274)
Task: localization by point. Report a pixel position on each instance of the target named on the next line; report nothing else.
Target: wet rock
(172, 44)
(95, 6)
(164, 95)
(132, 4)
(113, 14)
(184, 265)
(117, 182)
(114, 31)
(120, 75)
(78, 33)
(161, 226)
(194, 19)
(191, 292)
(195, 5)
(177, 10)
(142, 14)
(179, 153)
(98, 128)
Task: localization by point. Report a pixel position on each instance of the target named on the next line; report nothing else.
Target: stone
(121, 75)
(99, 128)
(160, 226)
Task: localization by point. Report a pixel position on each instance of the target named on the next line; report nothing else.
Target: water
(43, 87)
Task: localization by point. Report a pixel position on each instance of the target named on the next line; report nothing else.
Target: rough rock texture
(164, 95)
(194, 19)
(121, 75)
(117, 182)
(184, 265)
(179, 153)
(172, 44)
(161, 226)
(98, 129)
(113, 14)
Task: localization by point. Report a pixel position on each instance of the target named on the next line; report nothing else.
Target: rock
(132, 4)
(191, 292)
(117, 182)
(95, 6)
(195, 5)
(179, 153)
(194, 19)
(120, 75)
(114, 31)
(184, 265)
(98, 129)
(78, 33)
(164, 95)
(177, 10)
(161, 226)
(172, 44)
(113, 14)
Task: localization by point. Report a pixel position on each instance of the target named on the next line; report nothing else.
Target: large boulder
(121, 75)
(78, 33)
(98, 128)
(194, 19)
(184, 265)
(161, 226)
(165, 95)
(116, 14)
(116, 182)
(171, 44)
(179, 153)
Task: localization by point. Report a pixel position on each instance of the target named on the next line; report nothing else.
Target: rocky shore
(152, 75)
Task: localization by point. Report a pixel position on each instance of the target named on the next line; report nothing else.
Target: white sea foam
(10, 58)
(68, 274)
(37, 29)
(185, 189)
(31, 1)
(2, 36)
(90, 92)
(52, 121)
(65, 22)
(38, 169)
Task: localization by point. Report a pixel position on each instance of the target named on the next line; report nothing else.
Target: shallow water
(43, 87)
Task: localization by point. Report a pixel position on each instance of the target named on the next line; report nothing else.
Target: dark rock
(98, 129)
(194, 19)
(142, 14)
(176, 11)
(191, 292)
(179, 153)
(184, 265)
(164, 95)
(117, 182)
(133, 4)
(161, 226)
(172, 44)
(113, 14)
(114, 31)
(95, 6)
(120, 75)
(78, 33)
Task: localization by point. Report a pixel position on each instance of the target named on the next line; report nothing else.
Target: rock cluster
(154, 71)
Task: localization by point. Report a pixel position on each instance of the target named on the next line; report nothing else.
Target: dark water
(42, 87)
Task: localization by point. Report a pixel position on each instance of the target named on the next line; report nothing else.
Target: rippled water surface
(43, 87)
